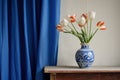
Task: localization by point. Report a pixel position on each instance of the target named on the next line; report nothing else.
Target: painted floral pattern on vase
(84, 56)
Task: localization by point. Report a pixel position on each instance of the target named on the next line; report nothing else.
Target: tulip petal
(72, 18)
(103, 28)
(100, 23)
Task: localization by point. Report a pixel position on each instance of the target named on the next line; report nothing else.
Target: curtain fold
(28, 38)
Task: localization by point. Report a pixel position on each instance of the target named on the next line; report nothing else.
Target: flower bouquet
(82, 28)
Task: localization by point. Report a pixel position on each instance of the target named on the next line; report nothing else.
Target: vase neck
(84, 45)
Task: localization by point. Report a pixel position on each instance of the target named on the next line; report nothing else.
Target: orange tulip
(72, 18)
(60, 28)
(101, 26)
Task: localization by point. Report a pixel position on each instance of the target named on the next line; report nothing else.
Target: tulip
(82, 21)
(64, 22)
(85, 16)
(103, 28)
(100, 25)
(60, 28)
(92, 15)
(72, 18)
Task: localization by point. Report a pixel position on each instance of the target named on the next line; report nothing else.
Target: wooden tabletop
(74, 69)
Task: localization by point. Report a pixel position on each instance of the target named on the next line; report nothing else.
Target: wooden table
(75, 73)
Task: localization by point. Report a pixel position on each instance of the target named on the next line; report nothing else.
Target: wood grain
(94, 76)
(73, 69)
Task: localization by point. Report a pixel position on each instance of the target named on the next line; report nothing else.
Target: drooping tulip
(101, 25)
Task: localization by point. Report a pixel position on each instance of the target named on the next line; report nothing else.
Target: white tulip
(92, 15)
(82, 21)
(64, 22)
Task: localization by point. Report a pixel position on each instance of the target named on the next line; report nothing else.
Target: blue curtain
(28, 38)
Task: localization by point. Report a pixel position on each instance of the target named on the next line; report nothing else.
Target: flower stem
(90, 27)
(74, 27)
(69, 27)
(95, 32)
(85, 30)
(66, 31)
(91, 36)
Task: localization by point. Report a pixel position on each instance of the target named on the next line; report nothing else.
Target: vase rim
(84, 44)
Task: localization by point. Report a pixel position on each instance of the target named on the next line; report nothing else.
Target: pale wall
(106, 44)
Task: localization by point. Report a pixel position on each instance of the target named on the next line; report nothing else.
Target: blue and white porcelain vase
(84, 56)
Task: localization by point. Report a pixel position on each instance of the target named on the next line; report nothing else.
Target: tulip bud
(64, 22)
(82, 21)
(92, 15)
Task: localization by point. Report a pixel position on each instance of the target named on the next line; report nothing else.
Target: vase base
(84, 65)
